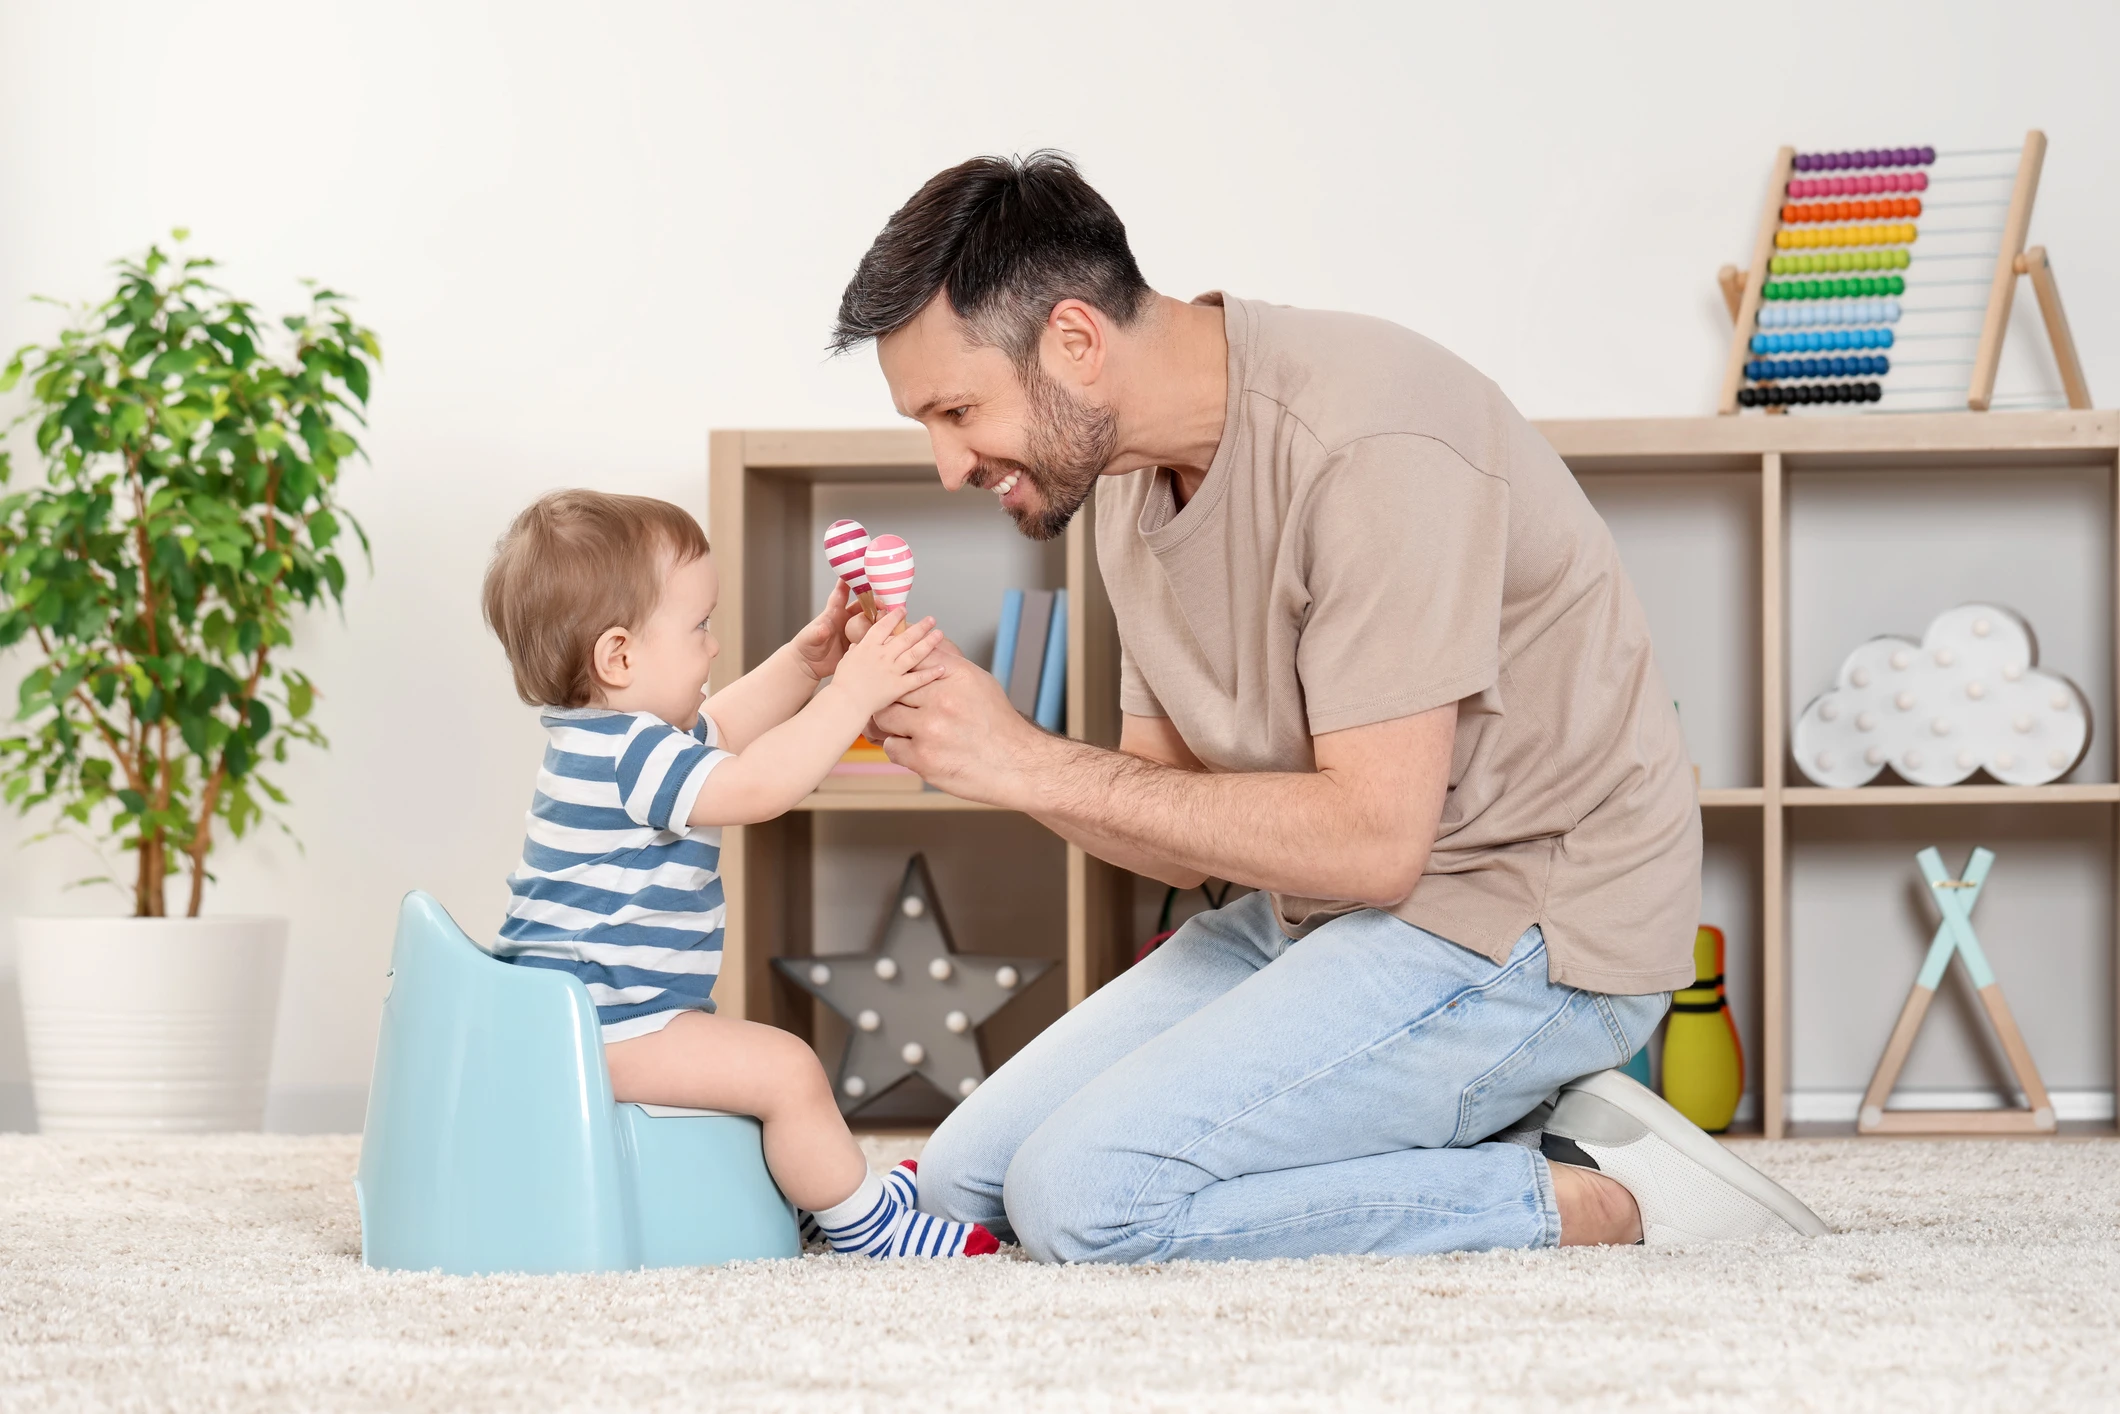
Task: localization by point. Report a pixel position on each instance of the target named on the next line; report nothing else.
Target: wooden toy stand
(1743, 291)
(1955, 938)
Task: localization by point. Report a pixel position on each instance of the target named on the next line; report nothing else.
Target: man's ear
(1074, 344)
(611, 660)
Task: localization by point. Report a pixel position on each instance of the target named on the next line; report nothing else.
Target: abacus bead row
(1897, 233)
(1801, 394)
(1822, 341)
(1868, 157)
(1858, 186)
(1830, 311)
(1860, 286)
(1849, 366)
(1838, 261)
(1888, 210)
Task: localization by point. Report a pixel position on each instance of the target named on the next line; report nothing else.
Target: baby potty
(493, 1144)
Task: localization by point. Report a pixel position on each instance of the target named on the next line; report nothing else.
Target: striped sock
(874, 1222)
(902, 1182)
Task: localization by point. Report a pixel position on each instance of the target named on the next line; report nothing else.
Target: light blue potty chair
(493, 1144)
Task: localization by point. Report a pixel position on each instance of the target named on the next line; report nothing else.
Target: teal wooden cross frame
(1955, 938)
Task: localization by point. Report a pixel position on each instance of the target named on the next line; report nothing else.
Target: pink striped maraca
(846, 542)
(890, 566)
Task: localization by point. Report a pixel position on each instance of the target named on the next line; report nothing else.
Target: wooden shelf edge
(1649, 440)
(1731, 797)
(828, 800)
(1814, 796)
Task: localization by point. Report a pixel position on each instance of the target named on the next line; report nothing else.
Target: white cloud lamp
(1969, 697)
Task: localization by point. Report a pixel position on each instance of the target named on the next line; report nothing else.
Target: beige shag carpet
(223, 1274)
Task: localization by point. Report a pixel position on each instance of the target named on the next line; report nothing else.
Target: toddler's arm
(786, 762)
(775, 690)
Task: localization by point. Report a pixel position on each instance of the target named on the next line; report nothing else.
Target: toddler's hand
(823, 640)
(886, 664)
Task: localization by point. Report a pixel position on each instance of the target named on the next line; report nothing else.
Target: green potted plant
(187, 513)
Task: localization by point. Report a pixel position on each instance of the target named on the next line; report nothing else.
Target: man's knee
(961, 1169)
(1066, 1203)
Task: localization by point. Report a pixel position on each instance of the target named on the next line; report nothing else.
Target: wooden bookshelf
(1771, 449)
(760, 486)
(761, 482)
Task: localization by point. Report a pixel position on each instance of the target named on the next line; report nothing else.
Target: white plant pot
(149, 1025)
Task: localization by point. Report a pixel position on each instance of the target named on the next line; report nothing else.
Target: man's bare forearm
(1304, 833)
(1150, 864)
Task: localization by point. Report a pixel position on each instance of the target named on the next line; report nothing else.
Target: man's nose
(953, 460)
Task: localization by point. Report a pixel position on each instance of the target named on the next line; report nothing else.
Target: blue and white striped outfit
(614, 886)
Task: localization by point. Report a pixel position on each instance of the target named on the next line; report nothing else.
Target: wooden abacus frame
(1744, 290)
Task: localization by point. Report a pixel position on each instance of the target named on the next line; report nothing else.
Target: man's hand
(823, 640)
(961, 734)
(857, 628)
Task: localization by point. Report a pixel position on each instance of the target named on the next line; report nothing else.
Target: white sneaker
(1689, 1188)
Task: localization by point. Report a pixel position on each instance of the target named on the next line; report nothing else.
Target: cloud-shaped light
(1968, 697)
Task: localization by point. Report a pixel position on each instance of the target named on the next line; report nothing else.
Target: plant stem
(202, 836)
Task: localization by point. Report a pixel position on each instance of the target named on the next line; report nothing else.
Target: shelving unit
(760, 489)
(1771, 449)
(760, 486)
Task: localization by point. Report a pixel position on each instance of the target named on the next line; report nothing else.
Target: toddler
(602, 602)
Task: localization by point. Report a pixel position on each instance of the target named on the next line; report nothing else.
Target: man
(1379, 662)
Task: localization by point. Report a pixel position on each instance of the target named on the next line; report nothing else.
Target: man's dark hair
(1008, 238)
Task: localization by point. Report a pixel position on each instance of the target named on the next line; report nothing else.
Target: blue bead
(1884, 338)
(1759, 343)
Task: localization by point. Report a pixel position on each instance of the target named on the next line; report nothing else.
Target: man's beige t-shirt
(1381, 533)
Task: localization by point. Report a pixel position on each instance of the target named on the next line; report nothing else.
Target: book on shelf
(864, 767)
(1030, 654)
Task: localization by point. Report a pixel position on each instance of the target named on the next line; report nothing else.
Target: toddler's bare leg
(708, 1062)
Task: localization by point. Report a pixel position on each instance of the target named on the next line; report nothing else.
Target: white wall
(588, 234)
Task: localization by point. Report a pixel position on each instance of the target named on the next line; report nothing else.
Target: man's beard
(1066, 448)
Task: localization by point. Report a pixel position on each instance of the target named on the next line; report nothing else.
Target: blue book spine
(1005, 640)
(1052, 682)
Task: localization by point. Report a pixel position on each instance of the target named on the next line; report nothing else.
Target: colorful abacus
(1825, 277)
(1840, 314)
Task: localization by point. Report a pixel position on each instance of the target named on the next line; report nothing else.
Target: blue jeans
(1237, 1094)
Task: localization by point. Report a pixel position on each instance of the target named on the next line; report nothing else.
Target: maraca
(889, 562)
(845, 544)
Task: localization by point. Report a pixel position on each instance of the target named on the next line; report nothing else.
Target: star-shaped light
(913, 1006)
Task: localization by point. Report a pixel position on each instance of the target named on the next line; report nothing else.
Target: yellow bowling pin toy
(1704, 1066)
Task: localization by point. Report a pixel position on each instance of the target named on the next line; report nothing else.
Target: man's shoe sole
(1686, 1139)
